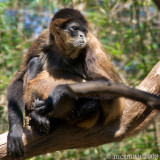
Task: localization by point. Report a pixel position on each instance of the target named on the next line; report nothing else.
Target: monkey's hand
(43, 107)
(15, 148)
(40, 124)
(59, 103)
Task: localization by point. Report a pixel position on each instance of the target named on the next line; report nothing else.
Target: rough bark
(135, 117)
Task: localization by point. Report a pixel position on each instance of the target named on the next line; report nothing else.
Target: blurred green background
(129, 31)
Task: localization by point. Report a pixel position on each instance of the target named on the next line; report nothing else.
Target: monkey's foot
(40, 124)
(15, 148)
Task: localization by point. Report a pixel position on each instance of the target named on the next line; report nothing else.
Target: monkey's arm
(97, 63)
(16, 107)
(15, 115)
(98, 66)
(34, 67)
(15, 97)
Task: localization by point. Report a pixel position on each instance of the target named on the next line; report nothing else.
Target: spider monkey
(66, 52)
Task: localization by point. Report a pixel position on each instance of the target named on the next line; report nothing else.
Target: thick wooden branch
(134, 118)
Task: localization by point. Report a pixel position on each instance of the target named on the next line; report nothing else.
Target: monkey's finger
(45, 126)
(38, 103)
(15, 147)
(41, 109)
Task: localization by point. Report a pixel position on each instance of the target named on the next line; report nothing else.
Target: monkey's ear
(57, 24)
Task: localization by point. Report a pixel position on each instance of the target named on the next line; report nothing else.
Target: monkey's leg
(40, 124)
(83, 112)
(57, 106)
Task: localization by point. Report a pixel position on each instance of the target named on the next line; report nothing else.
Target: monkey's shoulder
(39, 43)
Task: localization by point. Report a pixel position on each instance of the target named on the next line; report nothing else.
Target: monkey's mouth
(80, 44)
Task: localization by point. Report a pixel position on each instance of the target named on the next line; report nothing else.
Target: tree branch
(157, 3)
(135, 117)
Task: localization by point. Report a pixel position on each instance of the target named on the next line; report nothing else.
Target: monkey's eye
(74, 27)
(84, 30)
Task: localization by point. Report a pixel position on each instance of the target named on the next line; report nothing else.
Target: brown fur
(97, 65)
(42, 85)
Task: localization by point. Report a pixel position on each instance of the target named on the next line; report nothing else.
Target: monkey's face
(70, 35)
(76, 34)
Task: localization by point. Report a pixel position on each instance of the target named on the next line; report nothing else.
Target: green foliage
(11, 37)
(128, 31)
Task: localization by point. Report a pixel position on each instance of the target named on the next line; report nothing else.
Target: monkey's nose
(81, 35)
